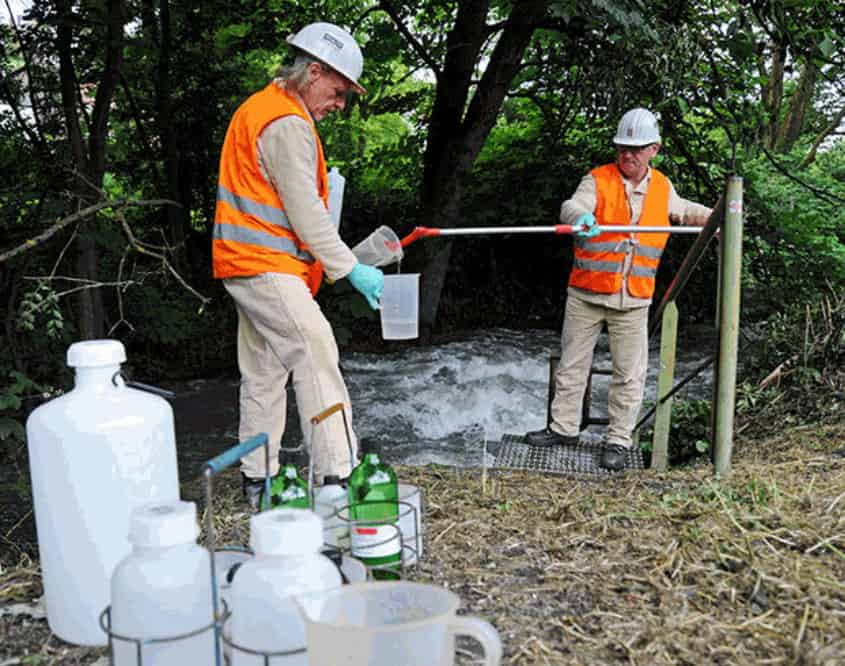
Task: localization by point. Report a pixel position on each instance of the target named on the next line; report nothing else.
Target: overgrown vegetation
(668, 568)
(108, 169)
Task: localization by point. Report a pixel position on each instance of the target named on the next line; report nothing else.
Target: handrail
(690, 262)
(728, 218)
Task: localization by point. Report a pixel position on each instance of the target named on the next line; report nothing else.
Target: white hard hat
(333, 46)
(638, 127)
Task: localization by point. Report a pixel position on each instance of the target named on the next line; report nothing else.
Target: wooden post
(665, 379)
(729, 292)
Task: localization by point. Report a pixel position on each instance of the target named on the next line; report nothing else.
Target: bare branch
(420, 50)
(78, 217)
(827, 131)
(821, 194)
(139, 247)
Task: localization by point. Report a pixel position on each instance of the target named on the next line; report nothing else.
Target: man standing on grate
(612, 282)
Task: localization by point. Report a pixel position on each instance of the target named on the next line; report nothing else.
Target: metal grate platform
(582, 460)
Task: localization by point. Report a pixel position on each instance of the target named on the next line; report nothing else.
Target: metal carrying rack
(409, 552)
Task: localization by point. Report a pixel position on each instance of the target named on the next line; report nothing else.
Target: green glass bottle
(374, 509)
(288, 489)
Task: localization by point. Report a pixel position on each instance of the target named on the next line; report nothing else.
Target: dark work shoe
(548, 437)
(613, 457)
(253, 489)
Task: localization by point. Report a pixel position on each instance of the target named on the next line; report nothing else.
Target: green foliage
(12, 395)
(793, 365)
(795, 229)
(40, 309)
(689, 433)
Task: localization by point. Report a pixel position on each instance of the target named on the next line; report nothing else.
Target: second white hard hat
(638, 127)
(333, 46)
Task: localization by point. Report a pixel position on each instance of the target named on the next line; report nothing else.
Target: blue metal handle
(233, 455)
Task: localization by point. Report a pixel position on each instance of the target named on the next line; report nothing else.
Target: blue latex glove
(369, 281)
(588, 229)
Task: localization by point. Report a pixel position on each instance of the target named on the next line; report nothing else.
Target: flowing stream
(434, 405)
(428, 405)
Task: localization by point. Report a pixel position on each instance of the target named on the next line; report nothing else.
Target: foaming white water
(434, 404)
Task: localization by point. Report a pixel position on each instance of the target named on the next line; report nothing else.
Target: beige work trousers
(281, 333)
(628, 333)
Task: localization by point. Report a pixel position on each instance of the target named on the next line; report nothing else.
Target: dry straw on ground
(671, 568)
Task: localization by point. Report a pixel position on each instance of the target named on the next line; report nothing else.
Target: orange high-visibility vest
(252, 233)
(599, 260)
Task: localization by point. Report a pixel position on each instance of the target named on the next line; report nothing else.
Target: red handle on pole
(419, 232)
(426, 232)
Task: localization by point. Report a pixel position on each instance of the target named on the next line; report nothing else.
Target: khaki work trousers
(628, 333)
(281, 333)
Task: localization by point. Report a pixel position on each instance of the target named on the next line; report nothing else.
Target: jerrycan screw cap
(285, 532)
(164, 524)
(96, 353)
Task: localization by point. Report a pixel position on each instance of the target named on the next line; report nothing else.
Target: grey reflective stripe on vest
(263, 212)
(599, 266)
(643, 271)
(238, 234)
(593, 246)
(649, 252)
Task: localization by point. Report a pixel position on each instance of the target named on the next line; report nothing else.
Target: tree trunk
(772, 95)
(801, 100)
(90, 159)
(176, 222)
(458, 130)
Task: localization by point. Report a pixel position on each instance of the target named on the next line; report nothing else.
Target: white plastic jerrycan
(337, 185)
(162, 590)
(265, 619)
(95, 453)
(388, 624)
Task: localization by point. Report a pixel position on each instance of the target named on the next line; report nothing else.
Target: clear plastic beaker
(400, 303)
(390, 623)
(380, 248)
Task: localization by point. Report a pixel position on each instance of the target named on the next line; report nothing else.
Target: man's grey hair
(297, 75)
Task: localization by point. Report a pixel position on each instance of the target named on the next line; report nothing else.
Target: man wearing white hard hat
(273, 240)
(612, 282)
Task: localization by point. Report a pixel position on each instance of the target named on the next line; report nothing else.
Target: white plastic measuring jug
(400, 302)
(380, 248)
(390, 623)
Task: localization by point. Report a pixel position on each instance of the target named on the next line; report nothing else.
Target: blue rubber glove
(588, 229)
(369, 281)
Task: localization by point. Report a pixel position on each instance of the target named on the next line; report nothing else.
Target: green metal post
(663, 416)
(729, 292)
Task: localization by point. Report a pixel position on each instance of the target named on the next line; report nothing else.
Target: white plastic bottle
(163, 589)
(337, 185)
(287, 561)
(95, 453)
(329, 502)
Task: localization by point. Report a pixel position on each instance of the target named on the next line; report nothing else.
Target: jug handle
(484, 633)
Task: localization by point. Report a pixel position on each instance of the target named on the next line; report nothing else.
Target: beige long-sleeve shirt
(287, 156)
(681, 211)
